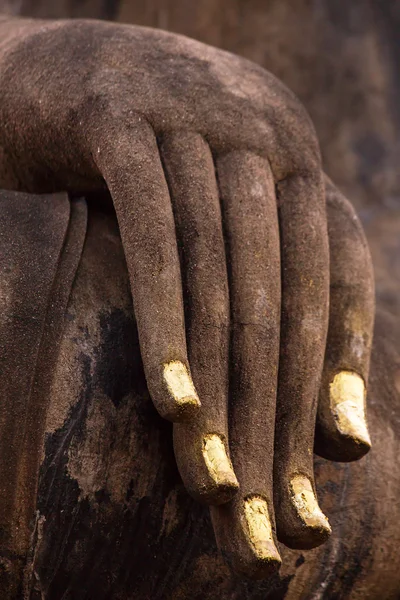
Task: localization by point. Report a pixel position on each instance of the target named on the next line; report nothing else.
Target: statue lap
(104, 512)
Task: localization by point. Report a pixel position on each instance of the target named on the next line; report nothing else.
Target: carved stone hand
(214, 171)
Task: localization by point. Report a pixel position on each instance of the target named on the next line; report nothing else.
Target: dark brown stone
(351, 564)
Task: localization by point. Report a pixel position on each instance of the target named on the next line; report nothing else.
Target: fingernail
(260, 530)
(180, 384)
(347, 400)
(218, 463)
(306, 504)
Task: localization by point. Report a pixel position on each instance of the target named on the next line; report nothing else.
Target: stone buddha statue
(187, 313)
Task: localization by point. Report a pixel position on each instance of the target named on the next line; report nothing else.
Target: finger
(130, 164)
(305, 295)
(245, 526)
(201, 447)
(342, 432)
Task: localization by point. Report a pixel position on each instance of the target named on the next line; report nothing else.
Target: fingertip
(265, 558)
(244, 535)
(308, 509)
(184, 403)
(204, 464)
(347, 401)
(220, 470)
(310, 528)
(342, 431)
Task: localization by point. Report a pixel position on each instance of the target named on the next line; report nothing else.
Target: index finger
(128, 158)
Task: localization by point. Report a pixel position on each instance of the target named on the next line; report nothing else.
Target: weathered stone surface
(113, 519)
(326, 59)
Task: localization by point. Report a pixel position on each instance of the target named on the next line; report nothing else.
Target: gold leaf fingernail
(180, 384)
(259, 529)
(218, 463)
(306, 503)
(347, 400)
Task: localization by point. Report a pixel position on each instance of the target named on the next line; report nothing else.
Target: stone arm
(211, 164)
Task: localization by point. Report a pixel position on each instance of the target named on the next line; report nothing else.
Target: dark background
(341, 58)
